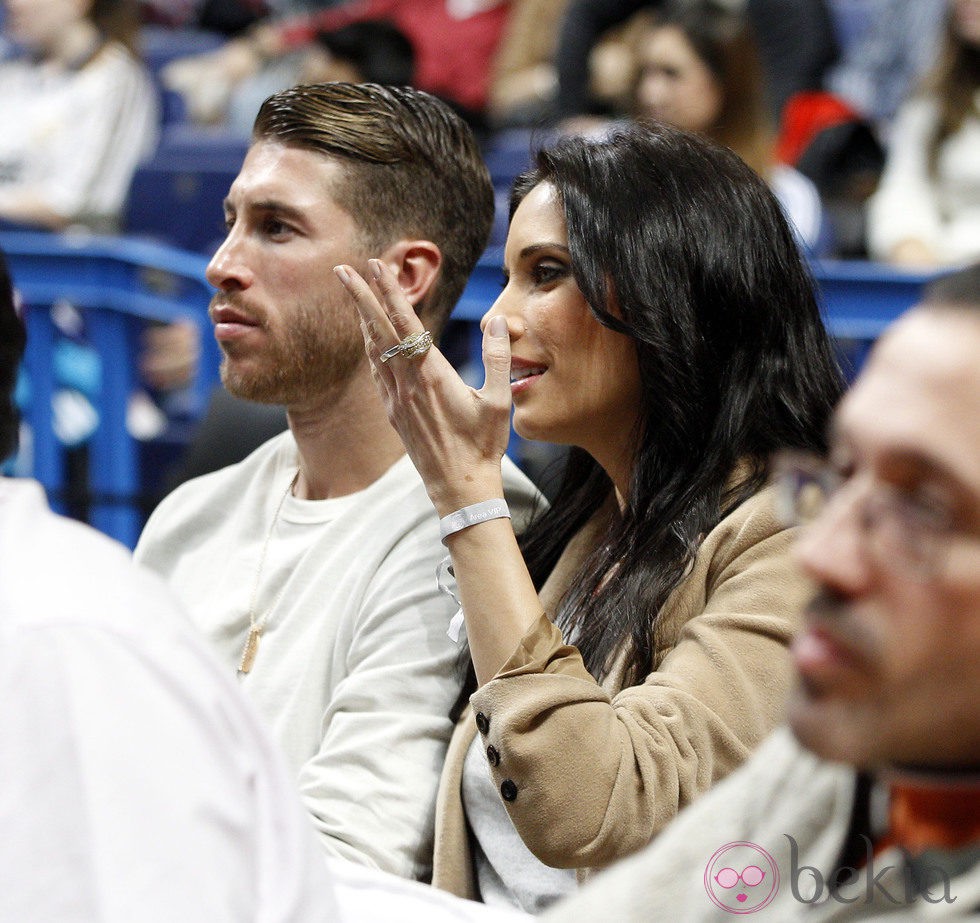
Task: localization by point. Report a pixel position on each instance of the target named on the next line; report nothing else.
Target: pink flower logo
(741, 878)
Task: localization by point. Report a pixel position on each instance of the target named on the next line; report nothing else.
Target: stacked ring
(416, 344)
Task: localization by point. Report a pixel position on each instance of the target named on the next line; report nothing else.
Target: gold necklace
(255, 628)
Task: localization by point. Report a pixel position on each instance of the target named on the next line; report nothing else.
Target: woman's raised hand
(455, 434)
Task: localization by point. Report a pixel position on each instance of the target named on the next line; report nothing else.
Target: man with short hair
(312, 564)
(871, 806)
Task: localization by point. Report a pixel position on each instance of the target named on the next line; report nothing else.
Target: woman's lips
(523, 375)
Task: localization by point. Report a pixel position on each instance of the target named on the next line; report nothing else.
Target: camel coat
(589, 773)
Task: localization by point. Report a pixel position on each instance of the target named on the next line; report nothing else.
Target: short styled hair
(13, 338)
(413, 169)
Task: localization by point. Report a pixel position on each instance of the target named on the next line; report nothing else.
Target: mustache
(832, 613)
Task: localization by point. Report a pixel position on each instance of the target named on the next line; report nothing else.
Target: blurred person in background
(926, 211)
(796, 45)
(78, 112)
(454, 43)
(699, 69)
(886, 48)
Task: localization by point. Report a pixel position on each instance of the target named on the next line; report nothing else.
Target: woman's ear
(416, 264)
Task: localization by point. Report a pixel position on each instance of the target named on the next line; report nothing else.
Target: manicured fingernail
(375, 269)
(498, 326)
(342, 274)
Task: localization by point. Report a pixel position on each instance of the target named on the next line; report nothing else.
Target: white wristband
(471, 515)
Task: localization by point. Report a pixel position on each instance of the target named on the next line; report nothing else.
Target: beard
(317, 350)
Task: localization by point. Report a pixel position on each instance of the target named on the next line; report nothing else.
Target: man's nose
(834, 550)
(228, 269)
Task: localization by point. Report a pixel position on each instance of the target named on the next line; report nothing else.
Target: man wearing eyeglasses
(868, 804)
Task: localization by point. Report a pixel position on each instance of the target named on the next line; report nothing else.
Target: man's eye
(276, 228)
(840, 465)
(229, 222)
(927, 504)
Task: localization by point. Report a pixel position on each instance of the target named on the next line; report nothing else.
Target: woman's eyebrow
(534, 248)
(531, 249)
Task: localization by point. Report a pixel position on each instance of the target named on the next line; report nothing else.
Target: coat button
(508, 790)
(482, 722)
(493, 755)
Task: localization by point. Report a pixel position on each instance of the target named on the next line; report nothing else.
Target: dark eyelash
(548, 272)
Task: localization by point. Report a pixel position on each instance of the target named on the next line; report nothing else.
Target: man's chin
(252, 388)
(829, 727)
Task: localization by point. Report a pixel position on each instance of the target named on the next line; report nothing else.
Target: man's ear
(416, 263)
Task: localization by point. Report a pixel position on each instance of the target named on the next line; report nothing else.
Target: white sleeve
(905, 205)
(371, 787)
(137, 787)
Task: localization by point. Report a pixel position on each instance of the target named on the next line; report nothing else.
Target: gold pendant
(250, 649)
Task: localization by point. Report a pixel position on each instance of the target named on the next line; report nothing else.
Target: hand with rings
(455, 434)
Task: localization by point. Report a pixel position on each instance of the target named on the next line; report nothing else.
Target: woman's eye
(544, 273)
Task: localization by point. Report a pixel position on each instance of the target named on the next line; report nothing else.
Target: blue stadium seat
(158, 46)
(118, 286)
(176, 197)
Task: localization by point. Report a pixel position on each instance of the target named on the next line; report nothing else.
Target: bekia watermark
(892, 884)
(742, 877)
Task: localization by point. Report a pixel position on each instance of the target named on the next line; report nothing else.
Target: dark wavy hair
(734, 363)
(13, 338)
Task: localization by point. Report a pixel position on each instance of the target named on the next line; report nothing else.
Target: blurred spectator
(79, 112)
(700, 70)
(363, 52)
(524, 82)
(229, 17)
(926, 211)
(796, 44)
(454, 43)
(838, 150)
(835, 137)
(886, 46)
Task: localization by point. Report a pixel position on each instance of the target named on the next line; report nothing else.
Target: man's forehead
(920, 390)
(287, 173)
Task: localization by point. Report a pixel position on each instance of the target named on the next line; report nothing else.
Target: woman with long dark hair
(657, 317)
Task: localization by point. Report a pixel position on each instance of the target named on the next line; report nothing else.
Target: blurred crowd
(861, 113)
